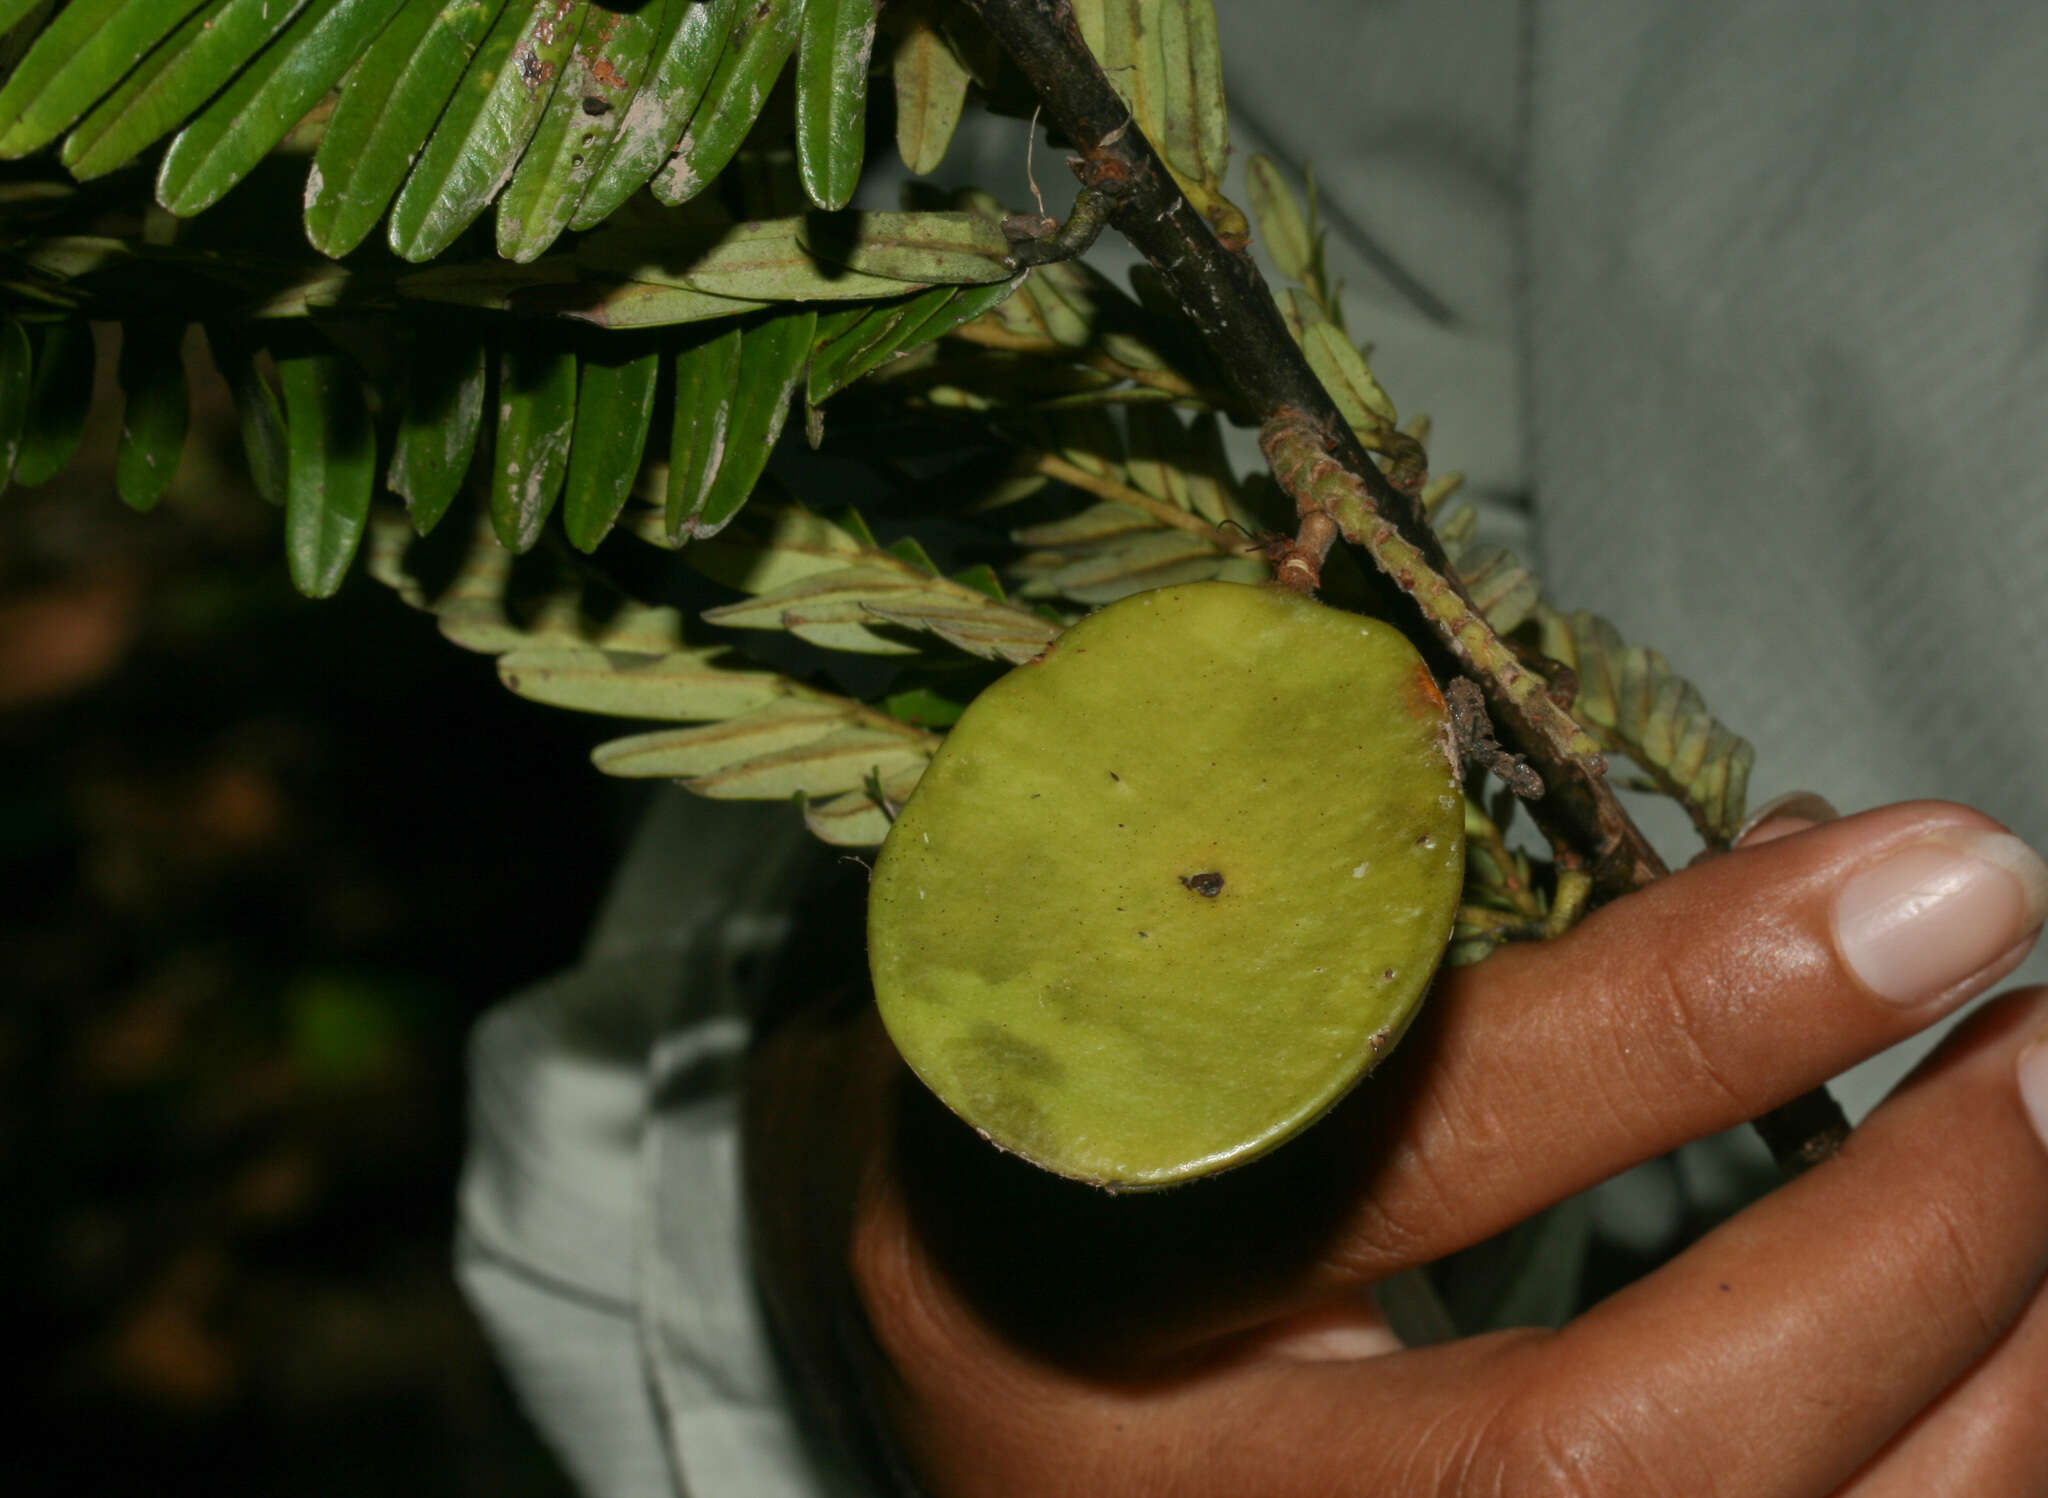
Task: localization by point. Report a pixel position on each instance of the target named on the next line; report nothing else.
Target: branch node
(1477, 744)
(1036, 239)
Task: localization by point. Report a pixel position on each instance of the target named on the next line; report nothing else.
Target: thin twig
(1229, 304)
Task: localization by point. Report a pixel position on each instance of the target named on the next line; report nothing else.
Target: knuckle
(1958, 1289)
(1391, 1230)
(1561, 1443)
(1661, 1061)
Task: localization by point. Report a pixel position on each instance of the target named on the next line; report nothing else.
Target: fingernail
(1934, 913)
(2034, 1084)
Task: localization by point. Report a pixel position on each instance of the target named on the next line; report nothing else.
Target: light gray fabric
(601, 1239)
(1787, 361)
(1736, 314)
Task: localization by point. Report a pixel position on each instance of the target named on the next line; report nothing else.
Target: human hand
(1876, 1327)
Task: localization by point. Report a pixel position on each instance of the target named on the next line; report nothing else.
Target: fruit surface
(1167, 892)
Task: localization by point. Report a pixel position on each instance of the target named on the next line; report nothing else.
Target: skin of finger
(1770, 1361)
(1685, 1009)
(1983, 1438)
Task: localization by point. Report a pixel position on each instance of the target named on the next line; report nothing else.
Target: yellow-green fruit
(1167, 892)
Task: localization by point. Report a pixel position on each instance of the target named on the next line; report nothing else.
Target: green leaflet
(83, 52)
(858, 819)
(59, 396)
(1499, 586)
(888, 331)
(673, 753)
(678, 686)
(693, 38)
(816, 747)
(565, 637)
(1089, 439)
(774, 548)
(440, 419)
(259, 410)
(21, 22)
(489, 283)
(603, 73)
(493, 114)
(1278, 215)
(17, 373)
(706, 380)
(1293, 238)
(1153, 454)
(267, 98)
(331, 452)
(764, 260)
(771, 361)
(11, 12)
(173, 82)
(614, 408)
(1205, 91)
(389, 103)
(156, 409)
(747, 69)
(1102, 521)
(861, 337)
(840, 762)
(536, 414)
(635, 304)
(931, 85)
(1156, 559)
(832, 96)
(833, 586)
(1064, 301)
(961, 248)
(1112, 548)
(1211, 485)
(1349, 379)
(1633, 701)
(485, 599)
(1184, 465)
(846, 610)
(828, 610)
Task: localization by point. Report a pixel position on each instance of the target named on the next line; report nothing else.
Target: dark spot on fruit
(1388, 975)
(1378, 1041)
(1209, 885)
(592, 105)
(1116, 777)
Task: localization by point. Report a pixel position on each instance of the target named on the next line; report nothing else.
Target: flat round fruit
(1167, 892)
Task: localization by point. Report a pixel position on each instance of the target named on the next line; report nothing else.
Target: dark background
(265, 861)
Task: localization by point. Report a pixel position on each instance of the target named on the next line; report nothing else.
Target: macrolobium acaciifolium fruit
(1168, 891)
